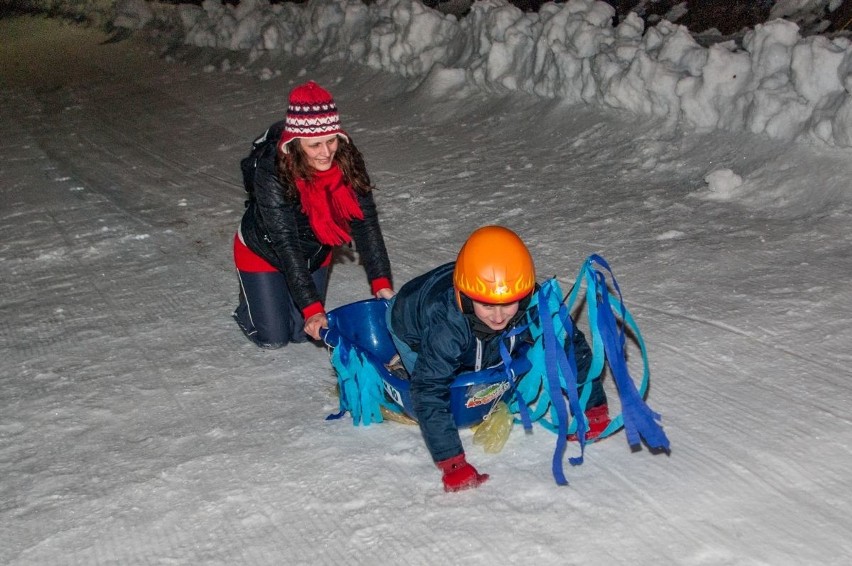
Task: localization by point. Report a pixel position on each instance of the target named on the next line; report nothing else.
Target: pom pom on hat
(311, 113)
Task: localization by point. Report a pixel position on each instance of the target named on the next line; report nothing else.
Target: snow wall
(777, 84)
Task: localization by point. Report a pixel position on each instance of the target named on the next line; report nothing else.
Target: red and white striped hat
(311, 113)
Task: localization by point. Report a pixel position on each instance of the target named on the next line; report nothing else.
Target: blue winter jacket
(428, 319)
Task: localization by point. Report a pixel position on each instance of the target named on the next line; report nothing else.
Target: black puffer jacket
(275, 228)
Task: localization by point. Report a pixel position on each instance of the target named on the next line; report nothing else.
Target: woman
(311, 193)
(453, 319)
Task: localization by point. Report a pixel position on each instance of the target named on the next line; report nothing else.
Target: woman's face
(495, 317)
(320, 151)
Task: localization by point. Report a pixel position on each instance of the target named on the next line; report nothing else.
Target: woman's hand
(386, 294)
(314, 324)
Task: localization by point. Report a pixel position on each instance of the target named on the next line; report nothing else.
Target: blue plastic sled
(361, 326)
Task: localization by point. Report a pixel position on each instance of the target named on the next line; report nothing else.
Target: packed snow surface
(138, 425)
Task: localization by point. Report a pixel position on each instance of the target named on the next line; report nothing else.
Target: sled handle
(330, 337)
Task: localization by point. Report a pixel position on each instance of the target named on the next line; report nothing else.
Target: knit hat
(311, 113)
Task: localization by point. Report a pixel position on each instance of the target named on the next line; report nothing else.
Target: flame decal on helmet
(494, 266)
(498, 291)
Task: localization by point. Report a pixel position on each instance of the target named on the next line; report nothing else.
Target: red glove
(459, 475)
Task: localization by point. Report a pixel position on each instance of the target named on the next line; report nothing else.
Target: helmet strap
(466, 303)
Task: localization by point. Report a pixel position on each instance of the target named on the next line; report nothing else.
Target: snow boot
(598, 418)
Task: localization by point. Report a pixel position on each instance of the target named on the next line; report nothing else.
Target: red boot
(598, 418)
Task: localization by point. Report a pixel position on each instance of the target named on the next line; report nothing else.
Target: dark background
(729, 17)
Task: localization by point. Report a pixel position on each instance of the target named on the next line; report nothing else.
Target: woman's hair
(294, 165)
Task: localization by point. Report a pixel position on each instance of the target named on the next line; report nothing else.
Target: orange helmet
(494, 266)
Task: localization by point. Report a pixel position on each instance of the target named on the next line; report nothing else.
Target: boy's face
(495, 317)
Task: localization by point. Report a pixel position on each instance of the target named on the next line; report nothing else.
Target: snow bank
(778, 83)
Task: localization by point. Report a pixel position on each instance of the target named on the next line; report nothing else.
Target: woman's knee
(265, 313)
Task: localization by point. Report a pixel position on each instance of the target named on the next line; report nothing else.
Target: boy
(451, 320)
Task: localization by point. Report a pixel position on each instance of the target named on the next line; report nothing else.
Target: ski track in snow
(139, 427)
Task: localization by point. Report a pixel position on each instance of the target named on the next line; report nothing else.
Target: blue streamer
(640, 422)
(361, 386)
(557, 365)
(515, 370)
(544, 374)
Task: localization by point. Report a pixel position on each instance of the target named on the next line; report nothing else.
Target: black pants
(597, 396)
(267, 314)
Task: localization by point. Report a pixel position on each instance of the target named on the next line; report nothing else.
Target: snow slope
(138, 426)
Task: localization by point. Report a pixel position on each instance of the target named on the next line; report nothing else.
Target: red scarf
(330, 205)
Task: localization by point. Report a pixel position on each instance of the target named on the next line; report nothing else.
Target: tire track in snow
(122, 323)
(745, 334)
(815, 395)
(106, 157)
(753, 406)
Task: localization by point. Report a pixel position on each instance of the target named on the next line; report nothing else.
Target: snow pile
(778, 83)
(723, 184)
